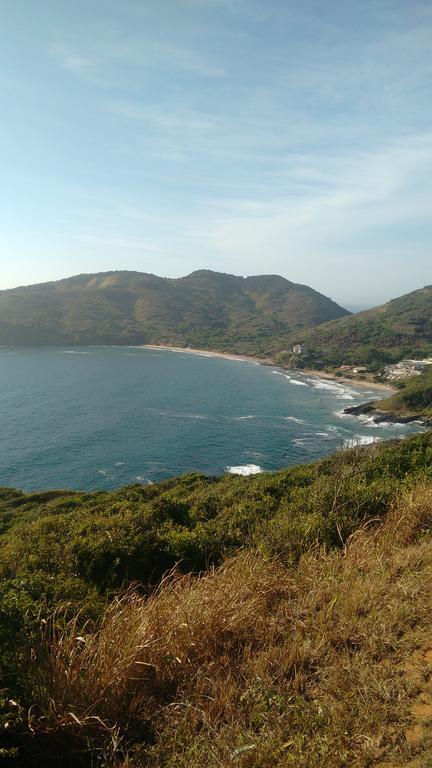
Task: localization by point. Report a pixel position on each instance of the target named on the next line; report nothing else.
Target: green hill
(396, 330)
(304, 641)
(414, 398)
(208, 309)
(412, 402)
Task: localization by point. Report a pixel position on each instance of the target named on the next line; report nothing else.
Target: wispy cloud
(119, 243)
(163, 55)
(341, 204)
(71, 60)
(238, 134)
(107, 55)
(172, 119)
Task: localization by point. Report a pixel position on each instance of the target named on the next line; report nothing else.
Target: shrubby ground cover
(261, 621)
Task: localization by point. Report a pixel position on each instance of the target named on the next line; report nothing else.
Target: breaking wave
(353, 442)
(244, 469)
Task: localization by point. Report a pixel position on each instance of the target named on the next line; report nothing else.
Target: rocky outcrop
(370, 409)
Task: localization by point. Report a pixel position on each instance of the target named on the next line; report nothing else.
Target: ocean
(101, 417)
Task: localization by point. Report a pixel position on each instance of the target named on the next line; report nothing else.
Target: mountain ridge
(204, 308)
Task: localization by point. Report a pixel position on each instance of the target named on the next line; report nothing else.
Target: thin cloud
(101, 58)
(119, 243)
(172, 119)
(234, 134)
(71, 60)
(364, 196)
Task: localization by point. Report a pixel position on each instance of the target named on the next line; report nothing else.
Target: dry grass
(254, 664)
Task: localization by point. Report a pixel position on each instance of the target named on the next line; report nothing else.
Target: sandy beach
(346, 380)
(210, 353)
(268, 361)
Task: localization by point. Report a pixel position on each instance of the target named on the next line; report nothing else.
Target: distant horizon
(350, 306)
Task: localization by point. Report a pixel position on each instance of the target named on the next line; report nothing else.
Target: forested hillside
(204, 309)
(399, 329)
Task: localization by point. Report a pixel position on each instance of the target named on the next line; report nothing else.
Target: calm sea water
(102, 417)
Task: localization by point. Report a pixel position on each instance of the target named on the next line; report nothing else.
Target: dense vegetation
(413, 398)
(264, 315)
(389, 333)
(290, 652)
(204, 309)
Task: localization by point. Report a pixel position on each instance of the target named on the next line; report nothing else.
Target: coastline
(210, 353)
(269, 361)
(394, 417)
(346, 380)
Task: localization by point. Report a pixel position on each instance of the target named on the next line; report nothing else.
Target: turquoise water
(103, 417)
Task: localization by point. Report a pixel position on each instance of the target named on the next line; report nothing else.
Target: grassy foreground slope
(205, 308)
(307, 645)
(399, 329)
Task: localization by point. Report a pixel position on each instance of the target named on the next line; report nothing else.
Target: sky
(247, 136)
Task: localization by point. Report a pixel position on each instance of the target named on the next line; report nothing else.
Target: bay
(101, 417)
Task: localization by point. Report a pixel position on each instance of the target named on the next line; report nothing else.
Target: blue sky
(246, 136)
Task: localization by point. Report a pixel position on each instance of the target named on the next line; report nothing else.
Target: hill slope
(311, 648)
(396, 330)
(412, 402)
(203, 309)
(414, 398)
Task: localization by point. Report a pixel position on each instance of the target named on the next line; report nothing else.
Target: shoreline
(270, 362)
(346, 380)
(393, 417)
(209, 353)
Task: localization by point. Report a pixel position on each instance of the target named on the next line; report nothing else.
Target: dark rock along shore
(378, 416)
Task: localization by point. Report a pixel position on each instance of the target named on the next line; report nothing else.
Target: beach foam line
(290, 379)
(343, 392)
(321, 384)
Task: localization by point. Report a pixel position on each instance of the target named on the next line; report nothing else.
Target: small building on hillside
(297, 349)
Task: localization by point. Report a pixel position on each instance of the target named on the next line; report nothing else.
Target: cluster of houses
(405, 369)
